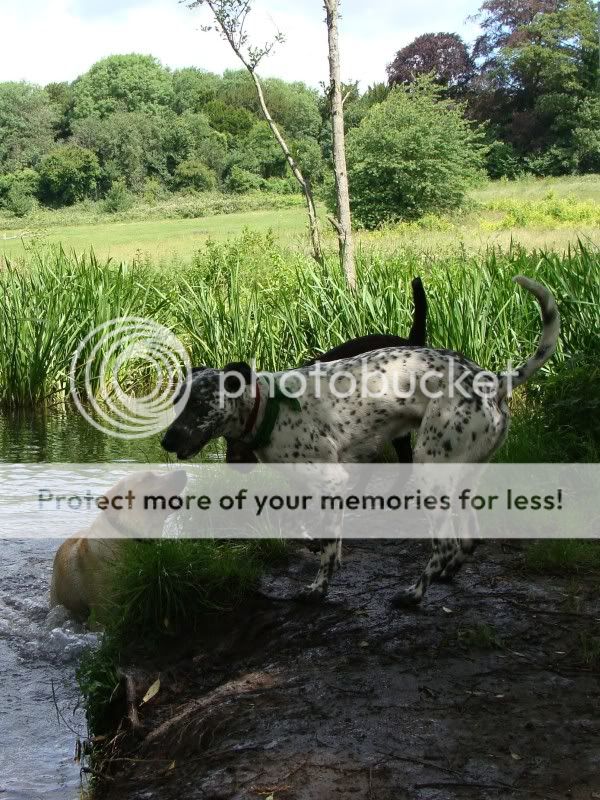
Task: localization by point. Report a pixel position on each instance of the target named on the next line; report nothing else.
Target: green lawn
(176, 239)
(164, 240)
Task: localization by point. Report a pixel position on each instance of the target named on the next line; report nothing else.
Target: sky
(57, 40)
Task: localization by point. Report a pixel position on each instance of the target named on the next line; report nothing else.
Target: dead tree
(231, 17)
(343, 222)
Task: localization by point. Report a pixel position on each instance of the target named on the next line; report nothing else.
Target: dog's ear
(237, 376)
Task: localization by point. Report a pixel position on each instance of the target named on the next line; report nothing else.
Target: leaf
(447, 610)
(516, 756)
(152, 692)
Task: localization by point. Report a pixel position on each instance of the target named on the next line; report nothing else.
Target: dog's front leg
(333, 481)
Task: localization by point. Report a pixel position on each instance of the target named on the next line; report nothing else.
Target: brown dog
(81, 571)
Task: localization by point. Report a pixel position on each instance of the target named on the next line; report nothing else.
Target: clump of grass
(168, 585)
(480, 637)
(562, 556)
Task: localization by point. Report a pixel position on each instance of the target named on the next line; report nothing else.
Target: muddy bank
(491, 690)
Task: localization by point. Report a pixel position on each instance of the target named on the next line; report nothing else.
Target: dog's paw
(311, 595)
(405, 599)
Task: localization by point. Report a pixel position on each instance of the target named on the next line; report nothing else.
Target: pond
(39, 713)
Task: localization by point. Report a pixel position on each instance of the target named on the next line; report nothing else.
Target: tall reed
(249, 298)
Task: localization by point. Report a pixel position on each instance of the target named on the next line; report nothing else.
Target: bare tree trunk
(250, 65)
(343, 223)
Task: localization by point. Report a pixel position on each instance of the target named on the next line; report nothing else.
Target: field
(541, 213)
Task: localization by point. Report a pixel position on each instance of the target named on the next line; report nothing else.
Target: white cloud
(54, 40)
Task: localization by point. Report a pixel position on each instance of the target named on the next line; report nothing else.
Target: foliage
(26, 126)
(118, 198)
(229, 119)
(68, 174)
(122, 83)
(193, 89)
(538, 80)
(18, 200)
(550, 211)
(444, 55)
(193, 174)
(412, 154)
(242, 180)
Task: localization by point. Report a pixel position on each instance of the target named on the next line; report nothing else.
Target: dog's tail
(418, 332)
(547, 345)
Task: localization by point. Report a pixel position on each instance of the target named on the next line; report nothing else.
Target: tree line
(524, 98)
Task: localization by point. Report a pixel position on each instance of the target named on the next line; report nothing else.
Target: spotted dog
(239, 452)
(450, 427)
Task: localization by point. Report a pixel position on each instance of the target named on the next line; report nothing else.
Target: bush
(241, 181)
(19, 201)
(193, 174)
(118, 198)
(18, 190)
(68, 174)
(413, 154)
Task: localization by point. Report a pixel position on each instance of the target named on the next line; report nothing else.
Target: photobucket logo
(365, 381)
(110, 365)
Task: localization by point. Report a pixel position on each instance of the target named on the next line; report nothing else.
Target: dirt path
(488, 691)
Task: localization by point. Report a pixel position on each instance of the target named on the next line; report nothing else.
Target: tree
(231, 17)
(539, 71)
(294, 105)
(27, 122)
(412, 154)
(343, 219)
(445, 55)
(122, 83)
(68, 174)
(129, 146)
(193, 89)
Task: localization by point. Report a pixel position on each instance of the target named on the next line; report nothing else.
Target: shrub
(412, 154)
(17, 191)
(193, 174)
(19, 201)
(242, 180)
(68, 174)
(118, 198)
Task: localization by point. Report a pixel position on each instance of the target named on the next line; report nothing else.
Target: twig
(60, 715)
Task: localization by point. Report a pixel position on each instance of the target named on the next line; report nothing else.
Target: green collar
(262, 437)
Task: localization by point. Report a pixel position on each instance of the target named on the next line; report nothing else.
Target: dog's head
(139, 504)
(218, 405)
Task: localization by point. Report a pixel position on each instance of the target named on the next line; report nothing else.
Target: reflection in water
(63, 435)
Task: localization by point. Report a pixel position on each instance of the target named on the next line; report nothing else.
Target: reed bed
(249, 298)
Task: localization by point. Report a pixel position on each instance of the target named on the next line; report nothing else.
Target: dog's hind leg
(467, 544)
(445, 549)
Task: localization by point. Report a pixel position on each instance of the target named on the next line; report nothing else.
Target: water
(38, 649)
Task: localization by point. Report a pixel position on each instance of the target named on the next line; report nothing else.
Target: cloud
(55, 40)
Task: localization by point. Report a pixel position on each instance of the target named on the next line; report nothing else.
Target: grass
(171, 230)
(562, 556)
